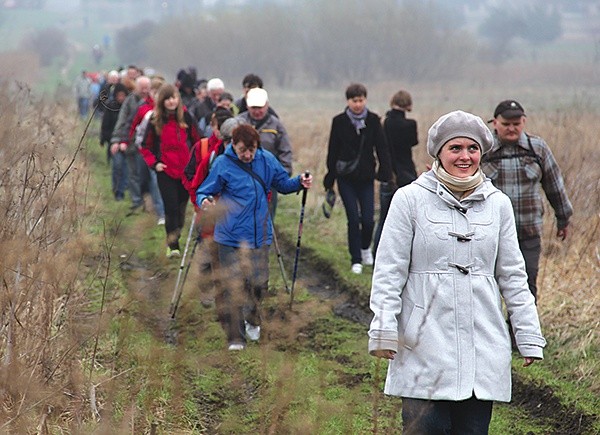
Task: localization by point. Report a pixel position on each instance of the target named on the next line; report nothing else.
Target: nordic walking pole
(279, 257)
(304, 192)
(175, 304)
(177, 292)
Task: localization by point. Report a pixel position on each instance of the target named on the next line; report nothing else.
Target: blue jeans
(446, 417)
(119, 174)
(83, 106)
(135, 166)
(244, 278)
(358, 200)
(159, 206)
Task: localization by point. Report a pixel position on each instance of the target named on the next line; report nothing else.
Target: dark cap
(509, 109)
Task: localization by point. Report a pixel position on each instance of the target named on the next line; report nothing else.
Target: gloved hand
(328, 181)
(328, 203)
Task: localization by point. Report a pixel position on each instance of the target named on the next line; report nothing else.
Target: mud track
(150, 283)
(538, 401)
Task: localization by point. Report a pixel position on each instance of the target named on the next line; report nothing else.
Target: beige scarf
(462, 186)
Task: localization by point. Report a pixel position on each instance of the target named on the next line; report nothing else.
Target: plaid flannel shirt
(518, 170)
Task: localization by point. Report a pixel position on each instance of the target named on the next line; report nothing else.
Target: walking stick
(178, 289)
(304, 192)
(175, 301)
(279, 257)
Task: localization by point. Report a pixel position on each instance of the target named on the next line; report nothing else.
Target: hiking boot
(207, 302)
(252, 332)
(134, 209)
(236, 346)
(357, 268)
(367, 257)
(173, 253)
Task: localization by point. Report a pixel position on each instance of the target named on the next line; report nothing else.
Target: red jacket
(172, 147)
(199, 163)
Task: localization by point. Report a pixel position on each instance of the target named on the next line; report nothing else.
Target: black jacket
(109, 120)
(401, 136)
(344, 144)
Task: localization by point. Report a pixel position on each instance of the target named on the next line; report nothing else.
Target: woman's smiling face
(460, 157)
(172, 102)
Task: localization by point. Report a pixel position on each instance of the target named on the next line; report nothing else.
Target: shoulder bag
(345, 167)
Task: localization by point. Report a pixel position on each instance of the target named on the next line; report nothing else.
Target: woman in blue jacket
(242, 178)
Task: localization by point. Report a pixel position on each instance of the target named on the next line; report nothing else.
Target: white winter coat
(442, 270)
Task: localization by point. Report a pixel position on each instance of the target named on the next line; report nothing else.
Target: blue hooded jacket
(247, 221)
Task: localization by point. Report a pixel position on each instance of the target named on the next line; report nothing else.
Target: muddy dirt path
(152, 285)
(538, 401)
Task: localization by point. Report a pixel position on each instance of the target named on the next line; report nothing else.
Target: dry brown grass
(48, 313)
(569, 280)
(42, 198)
(19, 65)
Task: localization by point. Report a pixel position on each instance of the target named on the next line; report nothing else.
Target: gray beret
(228, 126)
(458, 124)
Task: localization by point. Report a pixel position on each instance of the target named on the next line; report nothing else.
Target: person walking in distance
(519, 164)
(273, 135)
(448, 265)
(401, 135)
(117, 157)
(120, 139)
(355, 134)
(166, 149)
(83, 93)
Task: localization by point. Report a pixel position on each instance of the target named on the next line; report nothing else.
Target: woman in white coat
(447, 261)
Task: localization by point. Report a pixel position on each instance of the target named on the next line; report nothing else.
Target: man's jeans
(119, 174)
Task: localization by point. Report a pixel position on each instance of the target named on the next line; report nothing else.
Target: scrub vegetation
(86, 344)
(86, 291)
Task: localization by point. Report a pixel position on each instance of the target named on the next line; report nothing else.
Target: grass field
(84, 305)
(85, 289)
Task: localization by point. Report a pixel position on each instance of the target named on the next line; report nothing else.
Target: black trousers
(175, 198)
(531, 250)
(446, 417)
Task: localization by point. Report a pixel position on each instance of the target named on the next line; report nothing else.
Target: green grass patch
(320, 381)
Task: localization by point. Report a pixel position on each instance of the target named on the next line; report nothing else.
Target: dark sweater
(344, 144)
(401, 136)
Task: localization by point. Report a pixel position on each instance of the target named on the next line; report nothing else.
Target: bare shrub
(131, 42)
(18, 65)
(41, 244)
(48, 44)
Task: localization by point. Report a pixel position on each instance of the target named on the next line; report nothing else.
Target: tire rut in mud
(539, 402)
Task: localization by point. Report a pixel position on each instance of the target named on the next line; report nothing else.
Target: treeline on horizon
(325, 42)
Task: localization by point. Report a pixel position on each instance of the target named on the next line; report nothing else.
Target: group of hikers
(191, 141)
(452, 247)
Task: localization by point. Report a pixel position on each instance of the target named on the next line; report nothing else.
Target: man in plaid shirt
(518, 164)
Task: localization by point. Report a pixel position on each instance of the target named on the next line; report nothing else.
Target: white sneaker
(357, 268)
(252, 332)
(236, 346)
(367, 257)
(161, 221)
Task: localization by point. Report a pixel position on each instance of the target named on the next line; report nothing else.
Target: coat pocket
(414, 327)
